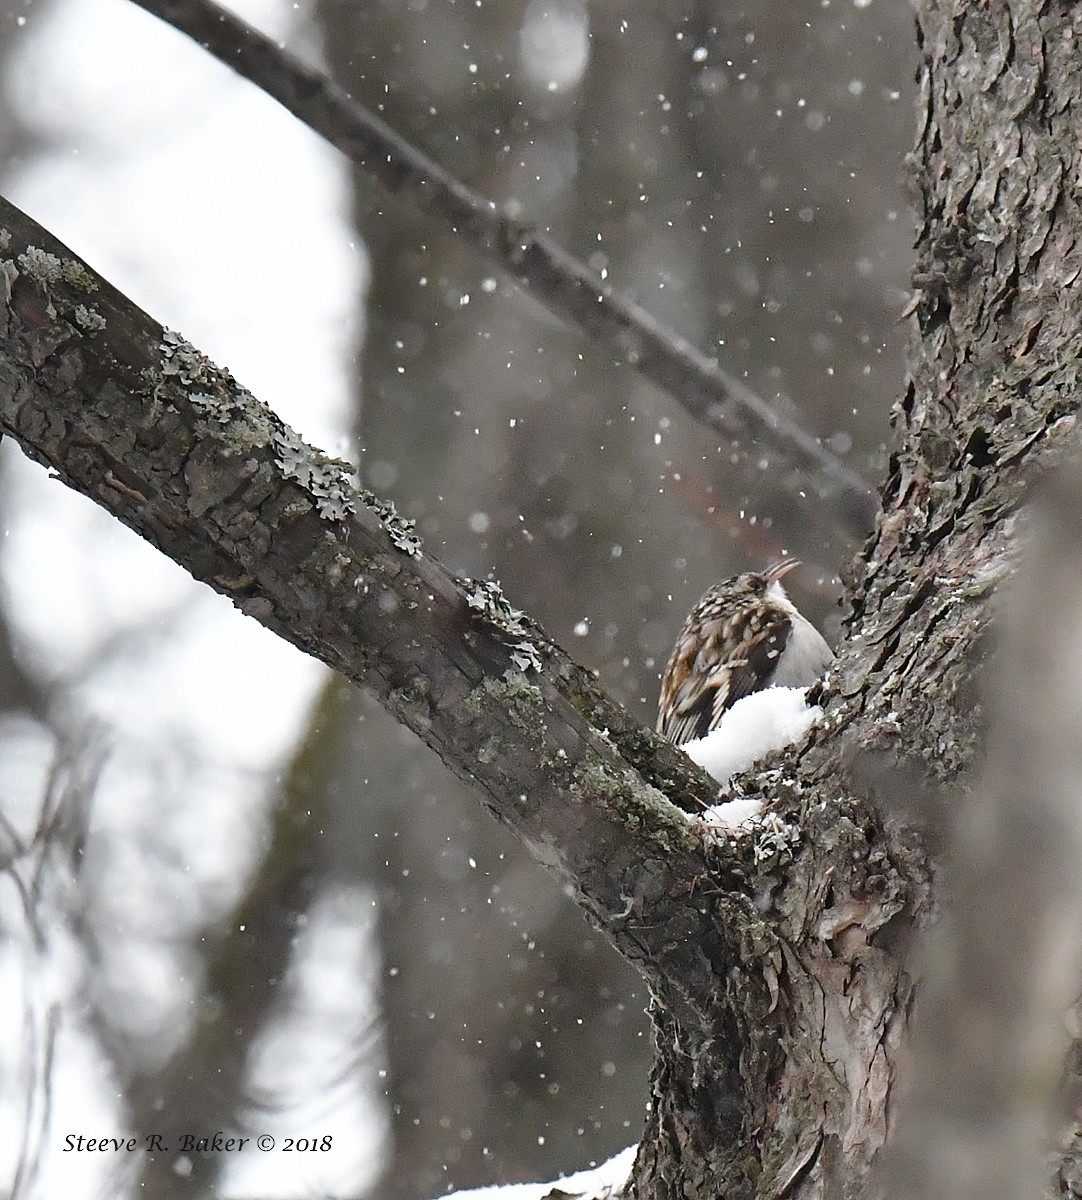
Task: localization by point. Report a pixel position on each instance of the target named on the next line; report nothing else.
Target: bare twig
(41, 867)
(39, 1041)
(530, 256)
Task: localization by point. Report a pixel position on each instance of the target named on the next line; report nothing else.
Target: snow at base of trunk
(596, 1183)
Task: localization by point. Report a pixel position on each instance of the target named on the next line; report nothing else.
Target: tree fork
(135, 418)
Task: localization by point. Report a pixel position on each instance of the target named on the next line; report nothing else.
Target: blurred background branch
(567, 286)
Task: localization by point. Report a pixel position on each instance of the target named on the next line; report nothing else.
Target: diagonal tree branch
(135, 418)
(536, 261)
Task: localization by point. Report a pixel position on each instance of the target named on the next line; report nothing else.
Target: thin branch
(138, 420)
(551, 274)
(39, 1040)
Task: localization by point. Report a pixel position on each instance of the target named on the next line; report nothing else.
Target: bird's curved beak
(780, 569)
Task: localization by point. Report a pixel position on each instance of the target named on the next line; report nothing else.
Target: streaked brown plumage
(744, 635)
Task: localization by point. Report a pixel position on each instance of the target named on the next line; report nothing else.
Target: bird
(744, 635)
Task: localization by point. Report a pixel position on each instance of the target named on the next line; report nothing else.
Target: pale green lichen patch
(212, 392)
(328, 481)
(325, 479)
(213, 407)
(216, 396)
(513, 695)
(88, 319)
(49, 270)
(401, 530)
(526, 656)
(183, 362)
(775, 842)
(75, 274)
(9, 272)
(600, 781)
(596, 779)
(485, 597)
(40, 265)
(517, 688)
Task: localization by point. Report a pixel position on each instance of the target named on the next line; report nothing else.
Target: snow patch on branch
(755, 725)
(732, 814)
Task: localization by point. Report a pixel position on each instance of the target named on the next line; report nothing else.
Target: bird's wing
(760, 661)
(701, 684)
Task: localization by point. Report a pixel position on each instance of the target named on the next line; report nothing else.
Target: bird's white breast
(806, 655)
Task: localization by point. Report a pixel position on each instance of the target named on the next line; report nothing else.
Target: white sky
(214, 210)
(226, 220)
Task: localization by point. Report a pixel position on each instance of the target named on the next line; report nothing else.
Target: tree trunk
(788, 1091)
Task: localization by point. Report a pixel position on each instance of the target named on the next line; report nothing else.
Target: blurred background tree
(276, 907)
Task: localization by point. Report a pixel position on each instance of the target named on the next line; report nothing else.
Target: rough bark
(782, 961)
(1002, 967)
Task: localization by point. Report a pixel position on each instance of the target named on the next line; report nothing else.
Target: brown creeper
(744, 635)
